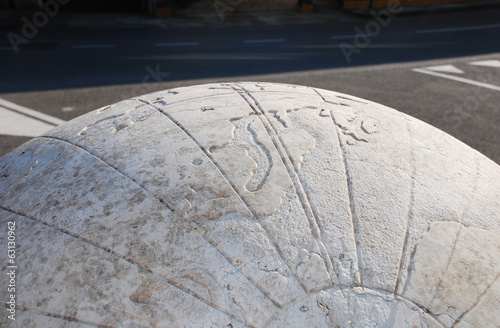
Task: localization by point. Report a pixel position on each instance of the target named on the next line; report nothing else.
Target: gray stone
(250, 205)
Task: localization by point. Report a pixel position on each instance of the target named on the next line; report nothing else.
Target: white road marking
(176, 44)
(463, 28)
(24, 122)
(459, 79)
(94, 46)
(445, 68)
(337, 37)
(265, 41)
(19, 125)
(488, 63)
(30, 112)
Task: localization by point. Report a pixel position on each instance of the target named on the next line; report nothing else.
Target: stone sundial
(250, 205)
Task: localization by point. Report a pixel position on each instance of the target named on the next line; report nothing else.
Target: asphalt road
(67, 70)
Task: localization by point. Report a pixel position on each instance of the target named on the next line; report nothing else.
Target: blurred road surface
(441, 67)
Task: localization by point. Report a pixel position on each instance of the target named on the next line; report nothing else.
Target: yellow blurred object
(355, 4)
(365, 4)
(163, 12)
(306, 8)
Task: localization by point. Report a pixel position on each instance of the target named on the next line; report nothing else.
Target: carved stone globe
(250, 205)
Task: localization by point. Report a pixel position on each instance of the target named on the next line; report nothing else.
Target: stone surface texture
(251, 205)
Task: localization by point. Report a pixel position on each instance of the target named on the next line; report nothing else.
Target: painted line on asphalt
(487, 63)
(444, 69)
(265, 41)
(19, 125)
(338, 37)
(94, 46)
(455, 29)
(177, 44)
(24, 122)
(30, 112)
(459, 79)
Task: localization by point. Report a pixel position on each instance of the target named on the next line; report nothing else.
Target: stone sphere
(249, 205)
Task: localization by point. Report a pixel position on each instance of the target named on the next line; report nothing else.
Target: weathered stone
(250, 205)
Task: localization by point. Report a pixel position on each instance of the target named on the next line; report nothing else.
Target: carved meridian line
(466, 203)
(352, 211)
(85, 240)
(284, 154)
(114, 312)
(228, 181)
(354, 219)
(286, 159)
(119, 121)
(120, 256)
(24, 168)
(374, 292)
(58, 316)
(178, 101)
(350, 197)
(409, 213)
(180, 218)
(477, 301)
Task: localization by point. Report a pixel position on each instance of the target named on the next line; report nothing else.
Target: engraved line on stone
(278, 118)
(323, 98)
(283, 92)
(239, 197)
(125, 258)
(244, 94)
(289, 165)
(375, 291)
(457, 322)
(197, 275)
(267, 294)
(56, 316)
(438, 286)
(262, 171)
(153, 305)
(182, 219)
(420, 307)
(112, 252)
(465, 226)
(464, 209)
(113, 311)
(350, 99)
(363, 290)
(269, 160)
(286, 158)
(195, 189)
(350, 196)
(354, 218)
(118, 122)
(139, 98)
(34, 163)
(473, 188)
(88, 241)
(409, 213)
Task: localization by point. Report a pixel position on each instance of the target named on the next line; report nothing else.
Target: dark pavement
(68, 69)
